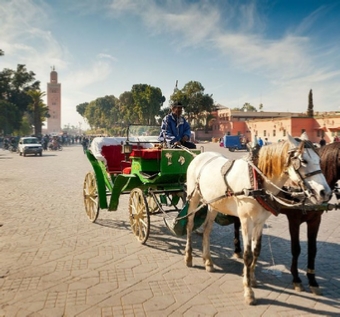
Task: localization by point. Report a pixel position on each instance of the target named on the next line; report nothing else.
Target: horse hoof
(250, 301)
(316, 290)
(298, 287)
(237, 255)
(188, 264)
(209, 268)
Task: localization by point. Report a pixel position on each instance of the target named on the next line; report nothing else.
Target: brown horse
(330, 166)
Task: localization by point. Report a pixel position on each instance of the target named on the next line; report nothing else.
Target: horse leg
(294, 230)
(188, 248)
(247, 259)
(208, 263)
(312, 233)
(257, 243)
(237, 242)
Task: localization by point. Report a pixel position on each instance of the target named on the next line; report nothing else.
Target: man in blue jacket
(175, 129)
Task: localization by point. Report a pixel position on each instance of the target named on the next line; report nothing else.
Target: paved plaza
(55, 262)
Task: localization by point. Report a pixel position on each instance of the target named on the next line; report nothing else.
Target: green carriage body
(167, 171)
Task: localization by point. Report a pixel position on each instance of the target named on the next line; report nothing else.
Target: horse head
(303, 168)
(330, 165)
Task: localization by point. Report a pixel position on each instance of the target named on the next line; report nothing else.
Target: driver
(175, 129)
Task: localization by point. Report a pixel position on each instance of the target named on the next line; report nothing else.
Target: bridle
(296, 161)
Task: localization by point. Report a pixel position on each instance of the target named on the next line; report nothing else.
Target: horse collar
(263, 200)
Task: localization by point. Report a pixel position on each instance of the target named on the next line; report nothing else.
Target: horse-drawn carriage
(161, 179)
(141, 166)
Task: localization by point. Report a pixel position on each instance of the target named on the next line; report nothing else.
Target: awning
(321, 128)
(334, 129)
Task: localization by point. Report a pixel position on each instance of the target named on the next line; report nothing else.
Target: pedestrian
(85, 144)
(175, 130)
(322, 141)
(260, 142)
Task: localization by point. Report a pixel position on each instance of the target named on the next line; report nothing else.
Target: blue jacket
(172, 130)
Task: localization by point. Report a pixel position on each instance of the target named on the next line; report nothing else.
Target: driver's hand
(185, 138)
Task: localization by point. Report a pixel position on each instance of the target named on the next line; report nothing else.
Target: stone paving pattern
(55, 262)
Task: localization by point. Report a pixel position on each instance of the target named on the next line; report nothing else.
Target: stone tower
(54, 104)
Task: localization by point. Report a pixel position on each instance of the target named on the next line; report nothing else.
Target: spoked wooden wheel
(90, 193)
(139, 215)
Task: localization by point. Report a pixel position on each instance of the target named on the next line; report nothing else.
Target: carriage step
(148, 175)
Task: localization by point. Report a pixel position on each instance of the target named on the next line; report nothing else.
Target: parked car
(29, 145)
(235, 143)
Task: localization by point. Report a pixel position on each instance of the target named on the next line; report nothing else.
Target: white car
(29, 145)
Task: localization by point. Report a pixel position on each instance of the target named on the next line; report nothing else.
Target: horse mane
(330, 162)
(273, 158)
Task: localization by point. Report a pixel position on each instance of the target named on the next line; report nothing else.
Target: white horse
(232, 193)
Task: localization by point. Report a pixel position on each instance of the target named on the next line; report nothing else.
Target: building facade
(54, 104)
(273, 125)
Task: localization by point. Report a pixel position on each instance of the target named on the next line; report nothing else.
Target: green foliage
(146, 103)
(197, 104)
(142, 105)
(37, 109)
(81, 108)
(13, 87)
(25, 127)
(9, 113)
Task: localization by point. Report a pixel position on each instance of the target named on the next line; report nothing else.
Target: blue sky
(267, 51)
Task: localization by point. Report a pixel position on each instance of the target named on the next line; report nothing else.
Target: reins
(271, 195)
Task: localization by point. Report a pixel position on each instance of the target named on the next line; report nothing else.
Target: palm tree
(38, 109)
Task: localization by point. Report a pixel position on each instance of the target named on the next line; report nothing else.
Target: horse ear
(292, 140)
(304, 136)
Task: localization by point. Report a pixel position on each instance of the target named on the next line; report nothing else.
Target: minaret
(54, 104)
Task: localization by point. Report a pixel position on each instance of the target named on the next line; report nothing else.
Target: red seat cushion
(147, 154)
(127, 170)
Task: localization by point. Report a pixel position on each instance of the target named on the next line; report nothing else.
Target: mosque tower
(54, 103)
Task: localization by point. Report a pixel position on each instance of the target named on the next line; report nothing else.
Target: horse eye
(304, 162)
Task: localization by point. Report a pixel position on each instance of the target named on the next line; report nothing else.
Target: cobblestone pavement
(55, 262)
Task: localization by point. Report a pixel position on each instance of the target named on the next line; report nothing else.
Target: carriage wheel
(139, 215)
(91, 200)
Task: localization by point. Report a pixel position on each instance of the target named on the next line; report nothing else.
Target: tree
(38, 109)
(21, 82)
(246, 107)
(8, 117)
(310, 110)
(147, 101)
(197, 104)
(81, 108)
(13, 88)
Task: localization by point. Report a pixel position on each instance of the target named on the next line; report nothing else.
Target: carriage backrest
(115, 160)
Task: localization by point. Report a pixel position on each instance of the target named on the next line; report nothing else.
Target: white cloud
(107, 56)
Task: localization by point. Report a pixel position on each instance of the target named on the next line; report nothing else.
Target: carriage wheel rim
(139, 215)
(90, 193)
